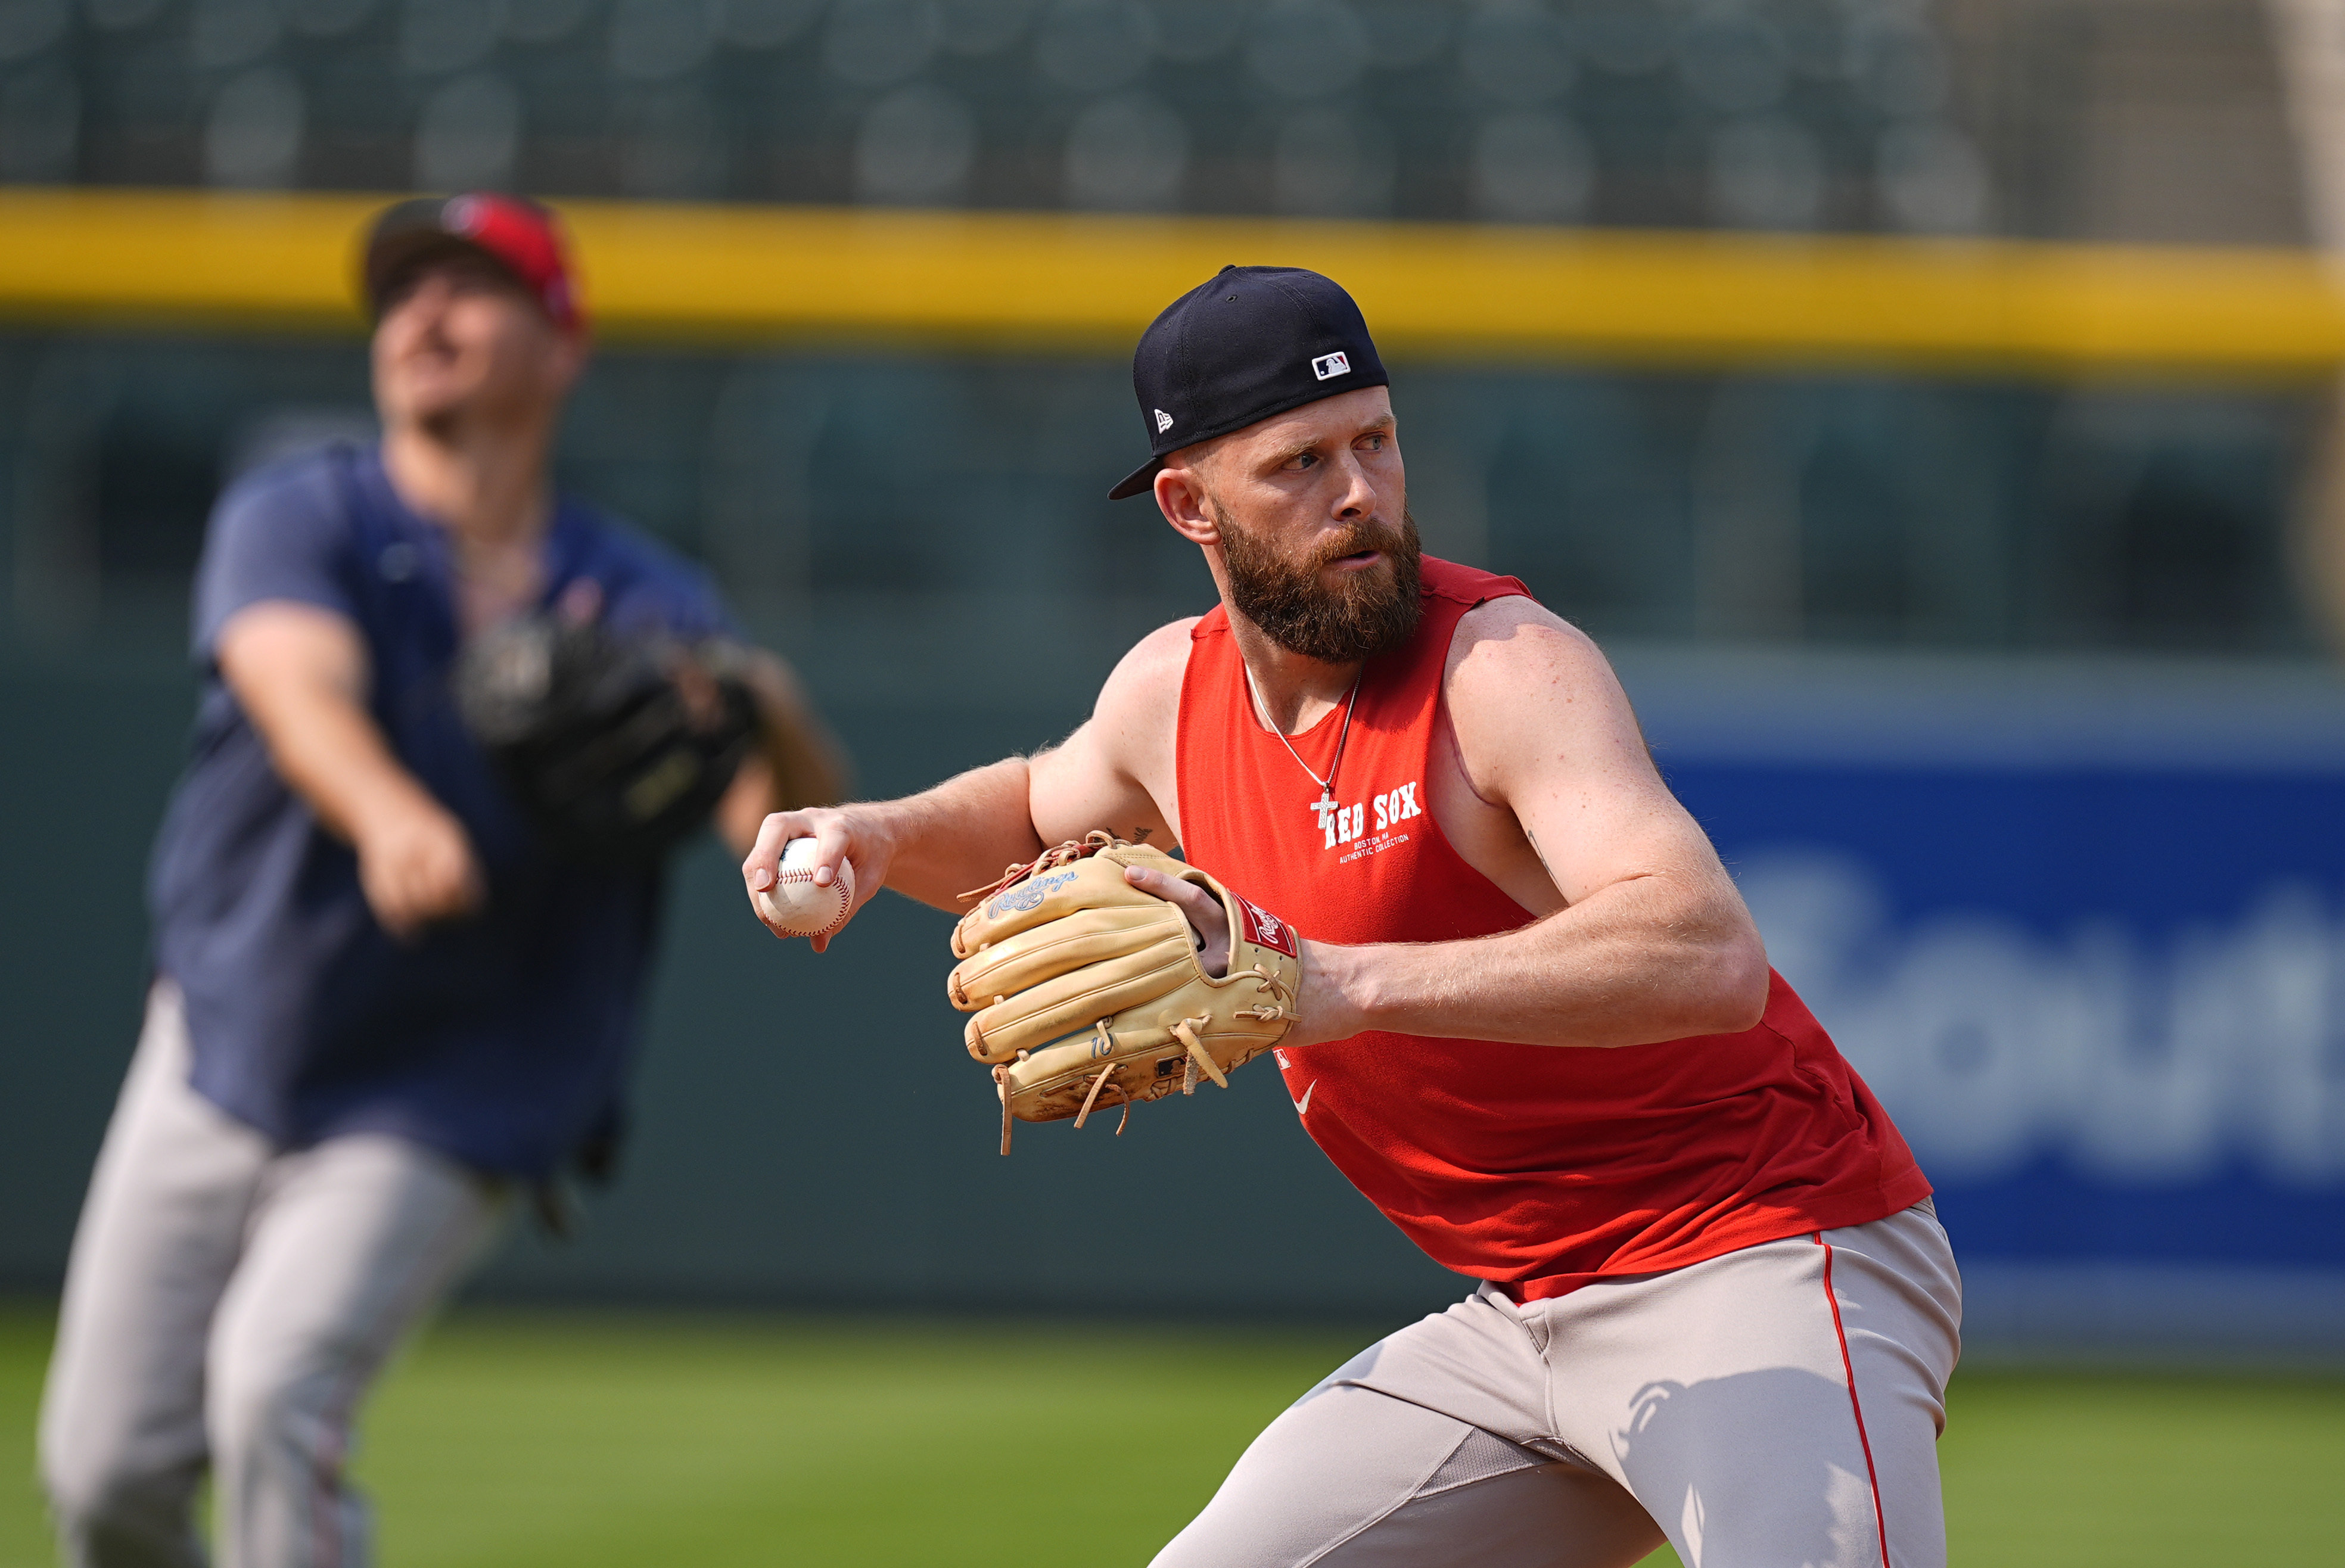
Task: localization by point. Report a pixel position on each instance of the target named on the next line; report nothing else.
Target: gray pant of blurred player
(226, 1307)
(1775, 1408)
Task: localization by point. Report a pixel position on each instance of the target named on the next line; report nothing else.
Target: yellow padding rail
(1023, 281)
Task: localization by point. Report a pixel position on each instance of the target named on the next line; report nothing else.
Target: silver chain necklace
(1262, 712)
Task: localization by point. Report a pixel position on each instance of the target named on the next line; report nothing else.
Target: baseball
(795, 906)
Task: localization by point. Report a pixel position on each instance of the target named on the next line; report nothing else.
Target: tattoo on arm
(1532, 839)
(1140, 835)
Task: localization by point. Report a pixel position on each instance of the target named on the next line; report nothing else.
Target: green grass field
(510, 1440)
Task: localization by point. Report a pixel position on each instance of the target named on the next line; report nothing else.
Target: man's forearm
(331, 754)
(299, 673)
(1632, 966)
(958, 836)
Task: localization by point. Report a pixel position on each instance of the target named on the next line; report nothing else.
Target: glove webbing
(1185, 1030)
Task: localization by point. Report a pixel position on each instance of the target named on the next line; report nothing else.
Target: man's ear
(1180, 497)
(573, 349)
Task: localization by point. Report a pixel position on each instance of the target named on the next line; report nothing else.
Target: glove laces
(1195, 1057)
(1074, 849)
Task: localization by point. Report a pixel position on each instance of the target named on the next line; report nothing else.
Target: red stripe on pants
(1854, 1404)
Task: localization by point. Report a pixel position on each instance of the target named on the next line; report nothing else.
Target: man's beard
(1366, 614)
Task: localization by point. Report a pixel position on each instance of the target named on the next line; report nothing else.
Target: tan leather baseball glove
(1088, 991)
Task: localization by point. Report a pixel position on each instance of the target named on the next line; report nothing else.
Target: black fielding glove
(615, 748)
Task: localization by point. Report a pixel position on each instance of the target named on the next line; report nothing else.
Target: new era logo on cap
(1163, 421)
(1328, 366)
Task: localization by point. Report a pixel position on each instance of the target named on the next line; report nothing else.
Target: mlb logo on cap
(1330, 365)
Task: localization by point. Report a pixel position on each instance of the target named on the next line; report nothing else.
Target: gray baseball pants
(227, 1305)
(1777, 1407)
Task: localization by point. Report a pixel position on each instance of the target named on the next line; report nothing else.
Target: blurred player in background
(382, 1005)
(1535, 1025)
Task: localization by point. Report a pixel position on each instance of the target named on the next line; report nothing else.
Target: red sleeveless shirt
(1540, 1168)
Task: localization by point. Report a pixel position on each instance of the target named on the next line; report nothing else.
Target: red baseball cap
(517, 234)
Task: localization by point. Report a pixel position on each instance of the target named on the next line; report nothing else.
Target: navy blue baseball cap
(1250, 342)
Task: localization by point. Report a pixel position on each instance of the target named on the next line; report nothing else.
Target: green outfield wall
(808, 1129)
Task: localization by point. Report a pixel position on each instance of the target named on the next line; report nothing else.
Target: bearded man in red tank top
(1538, 1029)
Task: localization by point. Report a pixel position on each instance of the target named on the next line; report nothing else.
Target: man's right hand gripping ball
(1090, 991)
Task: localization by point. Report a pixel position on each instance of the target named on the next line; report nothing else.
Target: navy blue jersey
(502, 1040)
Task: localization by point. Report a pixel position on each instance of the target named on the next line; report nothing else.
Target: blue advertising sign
(2082, 930)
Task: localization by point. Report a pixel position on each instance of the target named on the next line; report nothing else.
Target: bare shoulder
(1144, 687)
(1526, 690)
(1501, 644)
(1117, 770)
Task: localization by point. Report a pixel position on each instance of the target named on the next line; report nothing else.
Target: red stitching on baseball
(843, 900)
